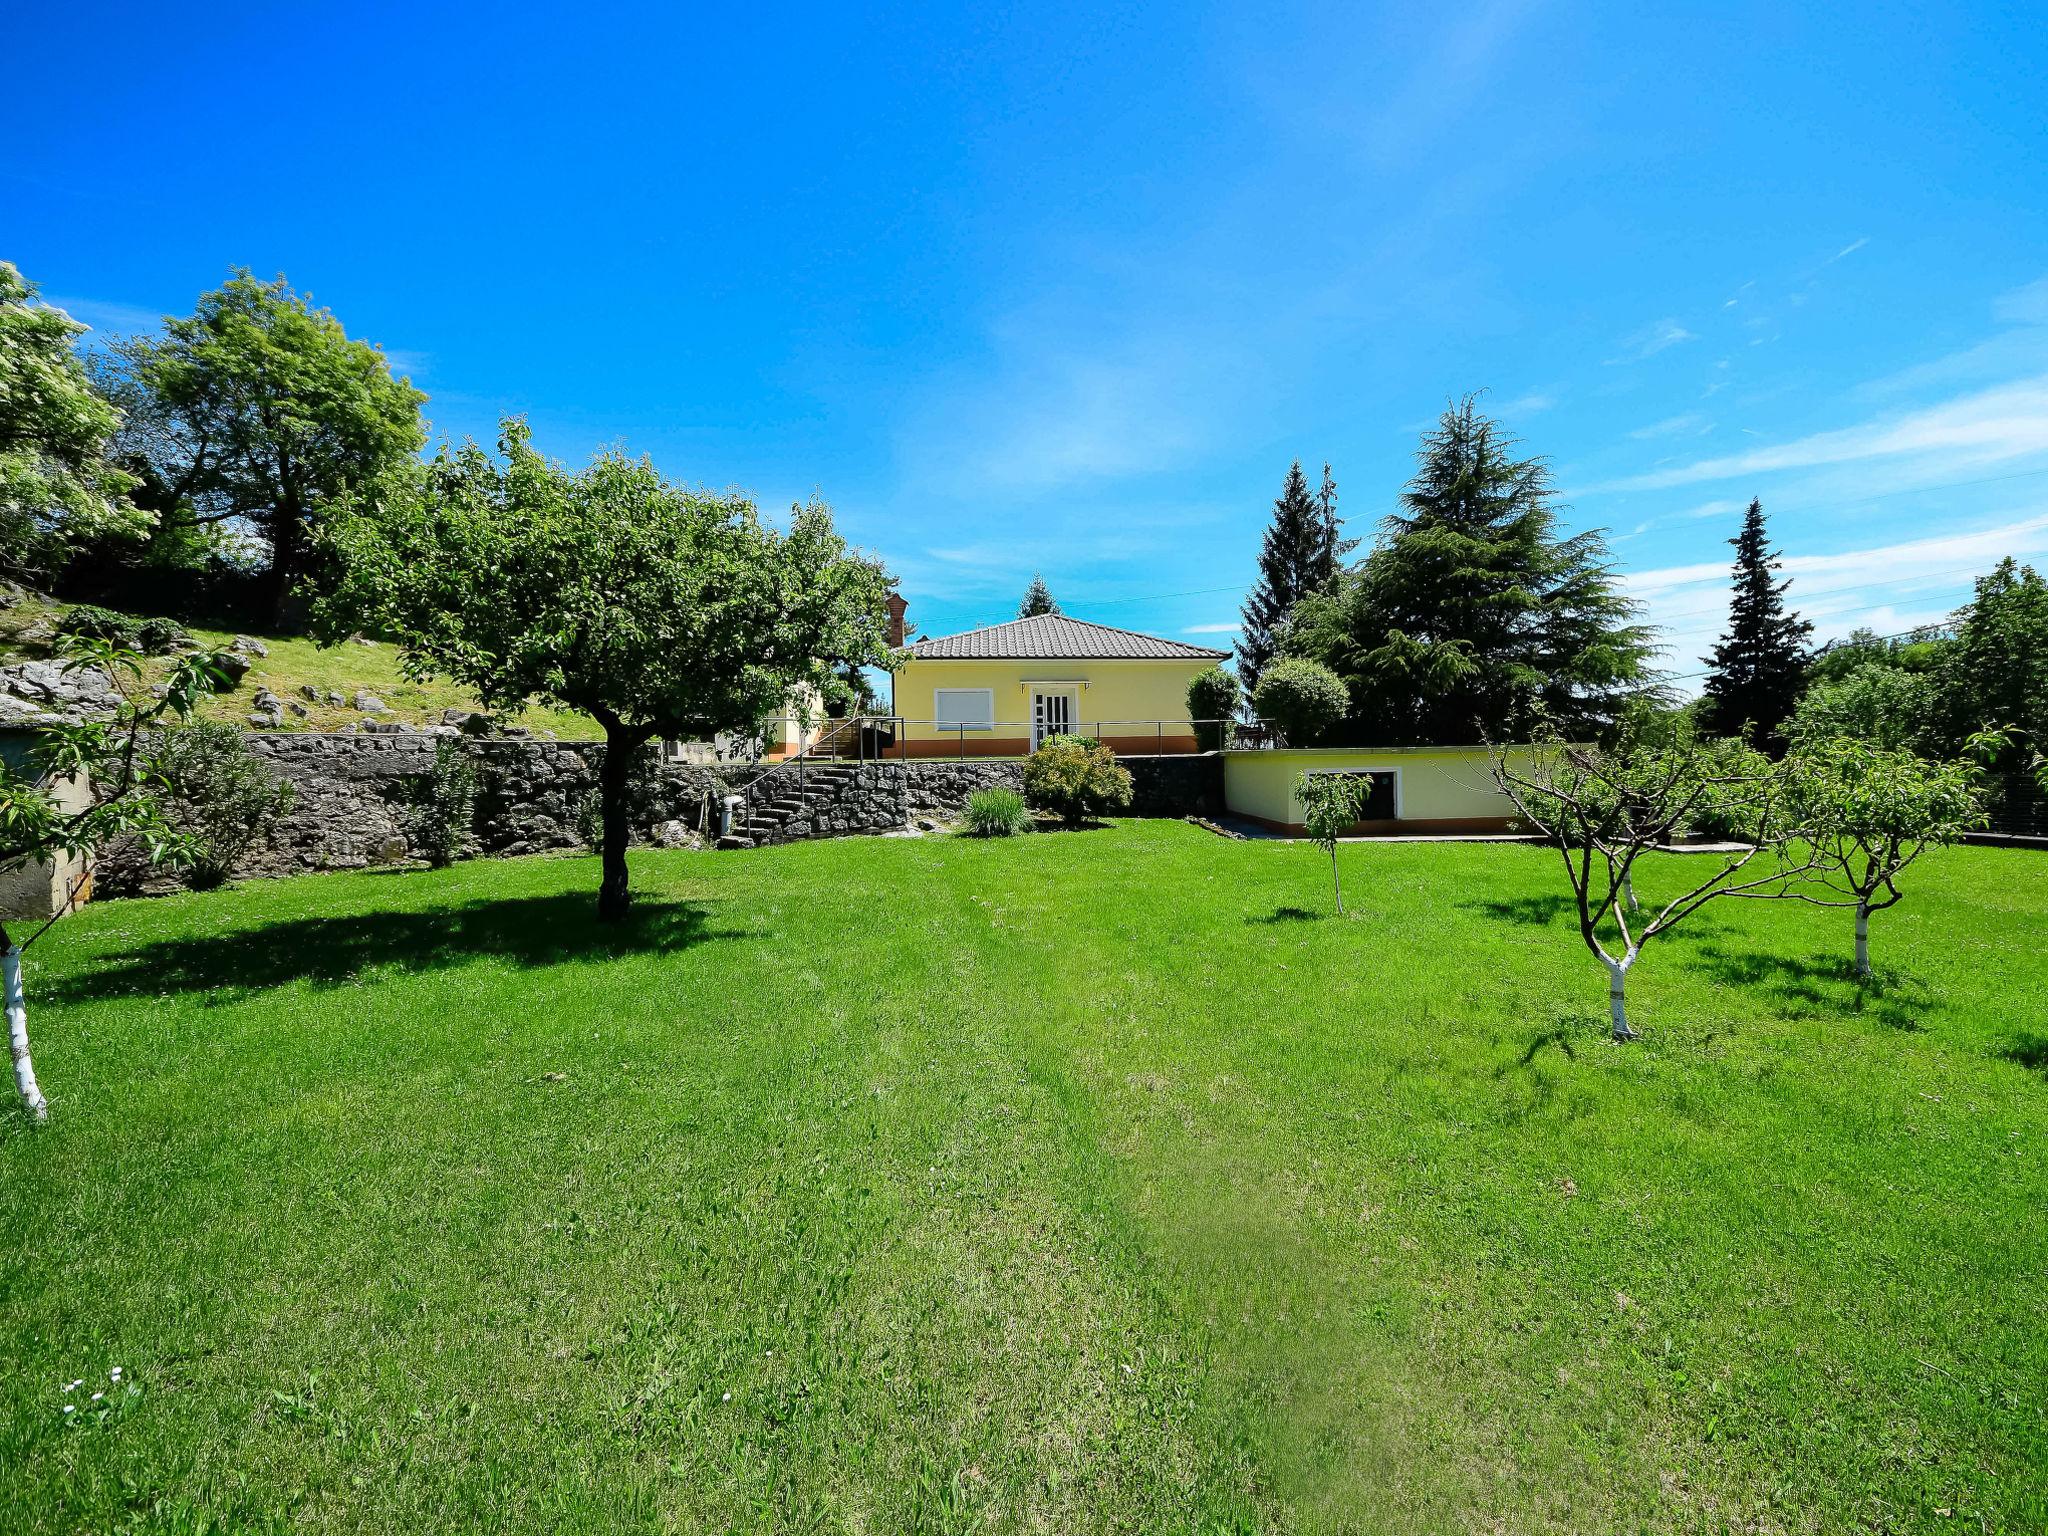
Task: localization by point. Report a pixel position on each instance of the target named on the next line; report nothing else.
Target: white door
(1052, 714)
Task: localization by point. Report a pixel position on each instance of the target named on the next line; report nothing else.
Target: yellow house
(1000, 691)
(1410, 789)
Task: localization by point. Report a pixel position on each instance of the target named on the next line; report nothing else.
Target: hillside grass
(1094, 1181)
(294, 661)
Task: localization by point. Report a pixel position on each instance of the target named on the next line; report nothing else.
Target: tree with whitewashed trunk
(1862, 813)
(1331, 803)
(80, 787)
(1603, 808)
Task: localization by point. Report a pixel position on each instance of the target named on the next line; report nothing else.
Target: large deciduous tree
(1995, 671)
(57, 487)
(1302, 549)
(1475, 615)
(259, 411)
(655, 610)
(1759, 665)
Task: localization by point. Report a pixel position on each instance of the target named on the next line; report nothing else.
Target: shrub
(997, 812)
(1214, 695)
(444, 818)
(1301, 699)
(220, 797)
(159, 637)
(89, 621)
(1076, 777)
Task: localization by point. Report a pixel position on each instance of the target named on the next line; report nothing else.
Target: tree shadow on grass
(532, 931)
(1817, 984)
(1288, 915)
(1536, 911)
(2029, 1051)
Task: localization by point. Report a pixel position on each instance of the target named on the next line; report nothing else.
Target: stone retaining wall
(358, 798)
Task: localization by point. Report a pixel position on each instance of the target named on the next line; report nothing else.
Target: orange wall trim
(1446, 827)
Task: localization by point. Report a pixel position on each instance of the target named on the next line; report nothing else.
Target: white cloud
(2006, 422)
(1651, 340)
(1848, 250)
(2023, 306)
(1530, 404)
(1720, 507)
(1687, 424)
(1212, 629)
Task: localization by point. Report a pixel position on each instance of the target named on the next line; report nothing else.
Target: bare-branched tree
(1603, 808)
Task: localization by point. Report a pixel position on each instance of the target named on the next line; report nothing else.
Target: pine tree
(1300, 552)
(1759, 666)
(1474, 614)
(1037, 599)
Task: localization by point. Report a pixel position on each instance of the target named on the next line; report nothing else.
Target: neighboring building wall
(1438, 789)
(44, 887)
(1122, 702)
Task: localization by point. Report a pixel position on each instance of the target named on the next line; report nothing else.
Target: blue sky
(1066, 288)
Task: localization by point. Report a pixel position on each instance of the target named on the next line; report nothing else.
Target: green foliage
(126, 787)
(1995, 673)
(1076, 777)
(1302, 549)
(1301, 699)
(57, 488)
(1867, 811)
(260, 411)
(655, 610)
(220, 798)
(1038, 599)
(88, 621)
(1331, 804)
(997, 812)
(1214, 695)
(447, 814)
(1759, 665)
(1473, 619)
(1878, 702)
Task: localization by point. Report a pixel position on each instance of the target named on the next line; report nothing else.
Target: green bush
(1076, 777)
(446, 815)
(997, 812)
(219, 796)
(89, 621)
(1214, 695)
(1301, 699)
(159, 636)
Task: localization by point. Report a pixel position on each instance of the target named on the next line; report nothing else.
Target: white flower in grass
(114, 1374)
(727, 1397)
(74, 1386)
(71, 1407)
(97, 1396)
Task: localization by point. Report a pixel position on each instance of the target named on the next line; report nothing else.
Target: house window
(1381, 802)
(964, 709)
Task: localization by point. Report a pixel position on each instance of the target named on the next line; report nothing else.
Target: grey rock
(50, 690)
(297, 708)
(365, 700)
(234, 664)
(248, 645)
(264, 720)
(309, 693)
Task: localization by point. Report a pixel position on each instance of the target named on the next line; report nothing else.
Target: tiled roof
(1055, 637)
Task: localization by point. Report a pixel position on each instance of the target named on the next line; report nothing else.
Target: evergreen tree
(1474, 615)
(1037, 599)
(1759, 667)
(1300, 553)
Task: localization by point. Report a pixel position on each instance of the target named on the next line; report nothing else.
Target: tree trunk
(1617, 999)
(613, 775)
(17, 1034)
(1337, 880)
(1863, 941)
(1628, 892)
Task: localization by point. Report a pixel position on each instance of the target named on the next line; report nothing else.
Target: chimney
(897, 608)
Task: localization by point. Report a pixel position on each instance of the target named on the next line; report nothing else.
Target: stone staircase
(832, 799)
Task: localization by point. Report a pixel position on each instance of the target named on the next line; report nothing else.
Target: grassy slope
(1074, 1183)
(295, 660)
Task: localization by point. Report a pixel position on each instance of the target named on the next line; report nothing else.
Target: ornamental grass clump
(997, 812)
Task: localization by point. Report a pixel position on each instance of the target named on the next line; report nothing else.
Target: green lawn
(1090, 1181)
